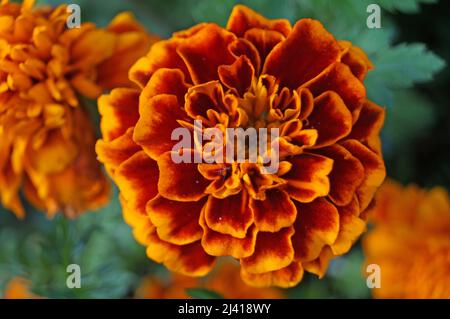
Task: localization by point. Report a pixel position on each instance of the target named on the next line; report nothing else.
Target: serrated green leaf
(401, 67)
(202, 293)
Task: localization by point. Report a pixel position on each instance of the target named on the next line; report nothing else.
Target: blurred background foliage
(409, 51)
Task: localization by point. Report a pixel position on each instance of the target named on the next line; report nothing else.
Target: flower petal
(358, 62)
(340, 79)
(286, 277)
(367, 128)
(158, 119)
(242, 47)
(180, 181)
(275, 212)
(163, 54)
(190, 260)
(209, 97)
(165, 81)
(113, 153)
(308, 177)
(119, 111)
(374, 170)
(351, 227)
(319, 266)
(238, 75)
(331, 118)
(264, 40)
(306, 52)
(141, 224)
(137, 180)
(346, 176)
(205, 51)
(317, 225)
(218, 244)
(176, 222)
(273, 251)
(230, 215)
(242, 19)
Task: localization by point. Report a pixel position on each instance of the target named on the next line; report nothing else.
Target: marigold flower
(46, 139)
(19, 288)
(256, 73)
(410, 242)
(225, 281)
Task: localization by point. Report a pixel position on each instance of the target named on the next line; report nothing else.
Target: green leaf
(202, 293)
(399, 68)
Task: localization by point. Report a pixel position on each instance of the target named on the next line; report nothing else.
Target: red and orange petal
(47, 142)
(224, 280)
(256, 73)
(410, 242)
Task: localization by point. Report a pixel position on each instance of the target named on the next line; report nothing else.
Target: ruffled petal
(158, 120)
(308, 177)
(346, 176)
(273, 251)
(165, 81)
(319, 266)
(340, 79)
(306, 52)
(351, 227)
(180, 181)
(358, 62)
(374, 170)
(275, 212)
(237, 76)
(141, 224)
(190, 260)
(218, 244)
(331, 118)
(137, 180)
(205, 51)
(243, 19)
(286, 277)
(367, 128)
(230, 215)
(113, 153)
(119, 111)
(176, 222)
(264, 40)
(242, 47)
(208, 101)
(163, 54)
(317, 225)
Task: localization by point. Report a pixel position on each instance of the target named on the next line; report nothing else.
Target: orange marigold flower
(46, 139)
(19, 288)
(256, 73)
(225, 281)
(410, 242)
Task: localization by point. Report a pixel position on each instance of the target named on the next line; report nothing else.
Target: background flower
(19, 288)
(411, 242)
(225, 281)
(46, 72)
